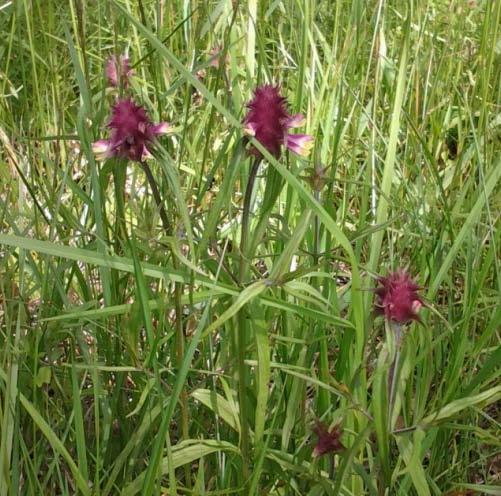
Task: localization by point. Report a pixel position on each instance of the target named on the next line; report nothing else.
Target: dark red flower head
(131, 132)
(118, 69)
(269, 122)
(397, 298)
(329, 441)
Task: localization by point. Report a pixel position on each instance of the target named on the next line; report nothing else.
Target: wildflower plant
(328, 439)
(397, 298)
(169, 314)
(131, 133)
(269, 121)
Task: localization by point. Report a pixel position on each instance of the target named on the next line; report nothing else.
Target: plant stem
(242, 321)
(395, 354)
(157, 197)
(323, 396)
(178, 291)
(244, 238)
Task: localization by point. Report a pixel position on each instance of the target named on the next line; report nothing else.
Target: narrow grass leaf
(219, 405)
(54, 441)
(411, 453)
(182, 454)
(454, 407)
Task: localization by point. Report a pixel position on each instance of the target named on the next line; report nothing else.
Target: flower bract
(397, 297)
(131, 133)
(269, 121)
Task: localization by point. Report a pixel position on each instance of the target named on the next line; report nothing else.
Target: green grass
(135, 360)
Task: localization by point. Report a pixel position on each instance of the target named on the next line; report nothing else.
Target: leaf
(173, 178)
(150, 270)
(78, 420)
(53, 440)
(380, 412)
(348, 457)
(182, 454)
(490, 396)
(282, 265)
(43, 376)
(150, 384)
(390, 159)
(489, 371)
(151, 473)
(473, 217)
(219, 405)
(263, 369)
(250, 292)
(411, 454)
(482, 488)
(223, 195)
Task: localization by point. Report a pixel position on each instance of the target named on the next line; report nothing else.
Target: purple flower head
(118, 69)
(329, 441)
(269, 122)
(131, 132)
(397, 297)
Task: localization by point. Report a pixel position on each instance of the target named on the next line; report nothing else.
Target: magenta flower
(118, 69)
(269, 122)
(397, 298)
(329, 441)
(131, 132)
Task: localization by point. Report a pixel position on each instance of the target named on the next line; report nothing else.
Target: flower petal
(116, 69)
(299, 143)
(296, 120)
(131, 132)
(146, 154)
(102, 149)
(161, 128)
(329, 441)
(250, 129)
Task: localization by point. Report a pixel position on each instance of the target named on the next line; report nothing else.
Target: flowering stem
(323, 396)
(394, 349)
(242, 321)
(119, 177)
(245, 219)
(180, 338)
(156, 196)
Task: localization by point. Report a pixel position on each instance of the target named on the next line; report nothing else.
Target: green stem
(119, 177)
(178, 291)
(396, 337)
(323, 397)
(157, 197)
(244, 238)
(242, 321)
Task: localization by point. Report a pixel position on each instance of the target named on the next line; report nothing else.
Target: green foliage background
(139, 361)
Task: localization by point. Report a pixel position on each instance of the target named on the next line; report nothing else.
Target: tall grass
(193, 355)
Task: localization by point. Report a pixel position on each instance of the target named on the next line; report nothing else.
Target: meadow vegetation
(205, 320)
